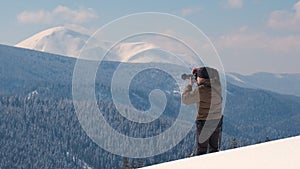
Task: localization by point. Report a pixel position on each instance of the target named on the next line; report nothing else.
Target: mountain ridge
(289, 85)
(283, 83)
(36, 103)
(69, 41)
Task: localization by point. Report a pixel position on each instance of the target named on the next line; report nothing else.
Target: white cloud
(259, 41)
(286, 20)
(60, 14)
(234, 3)
(190, 11)
(247, 51)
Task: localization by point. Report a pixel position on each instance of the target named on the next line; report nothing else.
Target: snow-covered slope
(68, 41)
(22, 69)
(279, 83)
(65, 41)
(272, 155)
(125, 51)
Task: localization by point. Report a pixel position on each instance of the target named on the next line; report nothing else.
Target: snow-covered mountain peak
(125, 51)
(69, 40)
(58, 40)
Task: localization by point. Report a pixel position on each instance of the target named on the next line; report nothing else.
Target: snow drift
(271, 155)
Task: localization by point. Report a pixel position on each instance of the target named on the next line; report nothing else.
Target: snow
(68, 41)
(229, 93)
(279, 76)
(32, 41)
(278, 154)
(126, 50)
(58, 40)
(235, 78)
(32, 94)
(176, 92)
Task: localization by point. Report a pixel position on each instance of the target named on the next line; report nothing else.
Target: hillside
(36, 110)
(283, 83)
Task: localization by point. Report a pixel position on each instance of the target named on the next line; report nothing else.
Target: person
(208, 98)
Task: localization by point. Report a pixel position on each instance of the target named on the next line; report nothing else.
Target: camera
(187, 76)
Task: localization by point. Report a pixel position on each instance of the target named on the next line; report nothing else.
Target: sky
(250, 35)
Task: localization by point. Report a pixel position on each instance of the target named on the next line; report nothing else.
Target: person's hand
(191, 81)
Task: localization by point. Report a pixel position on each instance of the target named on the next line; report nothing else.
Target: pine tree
(125, 163)
(258, 141)
(140, 163)
(267, 139)
(234, 143)
(132, 163)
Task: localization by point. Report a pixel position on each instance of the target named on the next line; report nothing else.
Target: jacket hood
(205, 82)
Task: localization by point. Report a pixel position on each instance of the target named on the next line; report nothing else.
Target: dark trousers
(213, 133)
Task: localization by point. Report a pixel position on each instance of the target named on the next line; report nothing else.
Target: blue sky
(250, 35)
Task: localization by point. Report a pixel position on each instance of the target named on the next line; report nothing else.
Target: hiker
(208, 98)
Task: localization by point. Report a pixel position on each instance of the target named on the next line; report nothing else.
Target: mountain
(27, 72)
(257, 113)
(38, 121)
(280, 83)
(66, 41)
(23, 70)
(69, 40)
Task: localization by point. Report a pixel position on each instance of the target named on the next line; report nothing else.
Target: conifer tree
(234, 143)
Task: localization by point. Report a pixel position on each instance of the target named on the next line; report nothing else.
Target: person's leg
(215, 139)
(201, 147)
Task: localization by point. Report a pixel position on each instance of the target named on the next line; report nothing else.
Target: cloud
(245, 40)
(250, 51)
(286, 20)
(60, 14)
(234, 4)
(190, 11)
